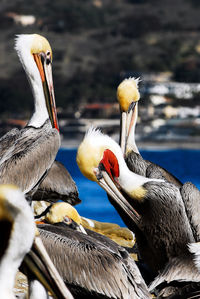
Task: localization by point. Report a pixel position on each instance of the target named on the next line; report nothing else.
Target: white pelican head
(100, 159)
(35, 54)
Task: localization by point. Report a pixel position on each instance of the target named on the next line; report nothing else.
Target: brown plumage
(152, 208)
(92, 266)
(146, 168)
(57, 185)
(29, 156)
(8, 139)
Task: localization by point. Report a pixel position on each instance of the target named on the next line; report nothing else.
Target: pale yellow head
(60, 210)
(40, 44)
(91, 151)
(89, 155)
(127, 92)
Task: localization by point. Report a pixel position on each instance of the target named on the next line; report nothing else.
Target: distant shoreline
(145, 145)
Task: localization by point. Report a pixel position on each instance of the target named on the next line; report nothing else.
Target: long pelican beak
(81, 229)
(44, 66)
(127, 126)
(39, 263)
(110, 187)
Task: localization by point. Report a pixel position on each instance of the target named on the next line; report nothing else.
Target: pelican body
(152, 208)
(27, 154)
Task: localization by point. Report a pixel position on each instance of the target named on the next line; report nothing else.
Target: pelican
(57, 185)
(92, 265)
(27, 154)
(128, 96)
(63, 212)
(152, 208)
(18, 232)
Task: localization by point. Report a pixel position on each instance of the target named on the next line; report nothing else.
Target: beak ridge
(109, 186)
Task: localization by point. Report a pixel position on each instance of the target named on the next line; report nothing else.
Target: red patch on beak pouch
(110, 163)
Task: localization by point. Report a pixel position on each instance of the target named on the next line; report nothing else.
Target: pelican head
(100, 159)
(64, 212)
(128, 95)
(91, 150)
(35, 54)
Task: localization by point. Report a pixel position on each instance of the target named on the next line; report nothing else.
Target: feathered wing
(7, 140)
(93, 266)
(178, 269)
(26, 161)
(58, 184)
(191, 198)
(138, 165)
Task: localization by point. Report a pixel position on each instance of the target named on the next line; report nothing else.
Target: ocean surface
(183, 163)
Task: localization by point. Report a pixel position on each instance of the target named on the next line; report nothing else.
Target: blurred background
(98, 43)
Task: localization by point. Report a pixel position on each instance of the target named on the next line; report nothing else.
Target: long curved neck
(40, 114)
(9, 264)
(131, 145)
(19, 244)
(8, 269)
(130, 181)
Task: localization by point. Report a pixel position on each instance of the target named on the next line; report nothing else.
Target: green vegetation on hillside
(98, 42)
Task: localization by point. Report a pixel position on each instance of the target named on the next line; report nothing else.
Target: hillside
(98, 42)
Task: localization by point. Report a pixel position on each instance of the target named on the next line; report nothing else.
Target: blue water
(185, 164)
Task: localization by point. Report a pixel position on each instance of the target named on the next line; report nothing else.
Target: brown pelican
(17, 233)
(128, 97)
(57, 185)
(62, 212)
(27, 154)
(92, 265)
(152, 208)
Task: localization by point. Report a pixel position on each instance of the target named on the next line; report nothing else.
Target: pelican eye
(67, 220)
